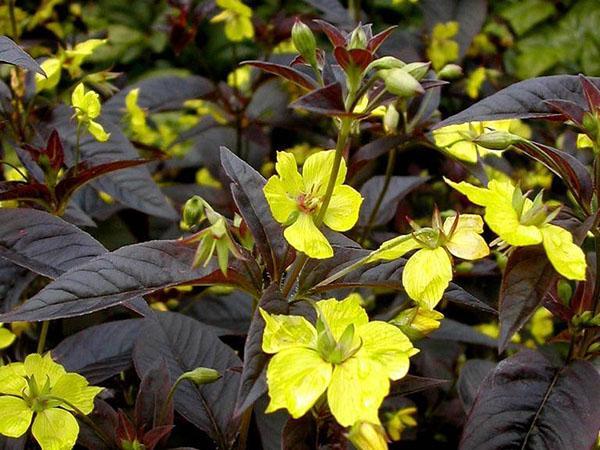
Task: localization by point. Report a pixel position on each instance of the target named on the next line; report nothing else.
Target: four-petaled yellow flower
(296, 200)
(87, 108)
(428, 272)
(236, 16)
(520, 221)
(345, 354)
(458, 139)
(42, 390)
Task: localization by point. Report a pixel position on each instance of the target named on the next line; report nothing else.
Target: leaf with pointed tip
(412, 384)
(113, 278)
(101, 351)
(289, 73)
(327, 101)
(356, 57)
(528, 403)
(591, 93)
(84, 172)
(398, 188)
(185, 344)
(20, 190)
(247, 190)
(524, 100)
(470, 379)
(376, 41)
(570, 110)
(11, 53)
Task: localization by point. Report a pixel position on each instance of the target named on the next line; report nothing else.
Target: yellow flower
(428, 272)
(74, 57)
(345, 354)
(519, 221)
(52, 68)
(458, 139)
(41, 391)
(7, 337)
(205, 178)
(87, 108)
(236, 16)
(417, 322)
(399, 421)
(474, 82)
(295, 201)
(442, 48)
(584, 141)
(366, 436)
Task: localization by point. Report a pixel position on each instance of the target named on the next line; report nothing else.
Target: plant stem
(389, 170)
(354, 7)
(43, 334)
(13, 20)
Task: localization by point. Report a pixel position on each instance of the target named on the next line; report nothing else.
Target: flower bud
(367, 436)
(304, 41)
(358, 39)
(401, 83)
(417, 69)
(385, 62)
(497, 140)
(391, 119)
(417, 322)
(193, 211)
(450, 72)
(201, 375)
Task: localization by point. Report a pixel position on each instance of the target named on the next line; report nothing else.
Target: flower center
(308, 203)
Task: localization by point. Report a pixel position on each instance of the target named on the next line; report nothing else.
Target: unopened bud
(358, 38)
(590, 123)
(193, 211)
(401, 83)
(497, 140)
(450, 72)
(304, 41)
(417, 322)
(367, 436)
(417, 69)
(385, 62)
(201, 375)
(391, 119)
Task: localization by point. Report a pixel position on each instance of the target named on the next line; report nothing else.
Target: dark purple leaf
(376, 41)
(327, 100)
(20, 190)
(299, 434)
(356, 57)
(152, 397)
(528, 403)
(569, 109)
(470, 379)
(591, 93)
(11, 53)
(289, 73)
(113, 278)
(224, 314)
(524, 100)
(247, 190)
(14, 279)
(53, 151)
(269, 425)
(398, 188)
(101, 351)
(376, 148)
(84, 172)
(185, 344)
(412, 384)
(451, 330)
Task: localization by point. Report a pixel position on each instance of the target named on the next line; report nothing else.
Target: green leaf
(524, 15)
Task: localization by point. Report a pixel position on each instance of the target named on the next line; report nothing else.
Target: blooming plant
(290, 225)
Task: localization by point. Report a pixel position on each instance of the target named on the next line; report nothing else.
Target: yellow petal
(387, 345)
(52, 68)
(296, 378)
(287, 168)
(282, 332)
(43, 368)
(7, 337)
(342, 213)
(77, 97)
(357, 388)
(468, 245)
(466, 222)
(426, 276)
(465, 151)
(12, 379)
(305, 237)
(15, 416)
(567, 258)
(97, 131)
(75, 389)
(504, 221)
(281, 204)
(55, 429)
(450, 135)
(479, 196)
(340, 313)
(396, 248)
(317, 169)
